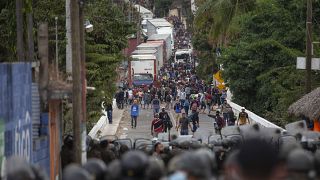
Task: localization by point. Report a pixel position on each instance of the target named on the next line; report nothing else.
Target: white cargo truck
(183, 56)
(158, 48)
(166, 38)
(147, 51)
(160, 26)
(142, 69)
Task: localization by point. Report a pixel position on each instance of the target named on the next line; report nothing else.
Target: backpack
(168, 123)
(177, 108)
(156, 102)
(168, 98)
(220, 122)
(194, 117)
(186, 104)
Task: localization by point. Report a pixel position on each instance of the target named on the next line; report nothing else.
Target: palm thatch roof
(308, 105)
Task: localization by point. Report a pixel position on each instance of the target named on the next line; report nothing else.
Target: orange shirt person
(316, 125)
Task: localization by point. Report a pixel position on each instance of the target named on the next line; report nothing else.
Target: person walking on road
(243, 118)
(184, 125)
(164, 116)
(168, 100)
(155, 104)
(202, 102)
(194, 117)
(219, 122)
(121, 99)
(146, 99)
(186, 106)
(109, 112)
(177, 109)
(208, 98)
(182, 96)
(225, 108)
(156, 126)
(134, 113)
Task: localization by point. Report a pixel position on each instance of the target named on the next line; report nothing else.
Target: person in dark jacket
(120, 98)
(109, 112)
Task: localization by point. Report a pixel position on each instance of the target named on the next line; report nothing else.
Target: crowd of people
(252, 155)
(246, 158)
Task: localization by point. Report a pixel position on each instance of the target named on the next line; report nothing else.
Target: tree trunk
(30, 37)
(19, 21)
(69, 43)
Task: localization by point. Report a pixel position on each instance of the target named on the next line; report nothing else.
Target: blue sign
(15, 109)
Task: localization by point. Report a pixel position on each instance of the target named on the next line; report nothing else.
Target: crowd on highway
(179, 89)
(249, 155)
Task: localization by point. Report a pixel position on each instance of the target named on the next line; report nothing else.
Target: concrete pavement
(103, 128)
(143, 129)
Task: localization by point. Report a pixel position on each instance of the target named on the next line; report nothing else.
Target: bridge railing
(253, 117)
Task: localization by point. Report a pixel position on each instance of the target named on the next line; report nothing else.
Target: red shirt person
(156, 126)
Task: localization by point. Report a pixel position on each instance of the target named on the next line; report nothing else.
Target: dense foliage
(260, 53)
(103, 45)
(103, 52)
(161, 8)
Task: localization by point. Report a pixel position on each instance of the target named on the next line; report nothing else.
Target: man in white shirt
(130, 96)
(182, 96)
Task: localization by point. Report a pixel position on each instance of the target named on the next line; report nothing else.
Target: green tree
(162, 8)
(218, 17)
(7, 31)
(103, 53)
(259, 65)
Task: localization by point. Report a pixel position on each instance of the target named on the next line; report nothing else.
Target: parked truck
(183, 56)
(165, 39)
(154, 46)
(142, 69)
(160, 26)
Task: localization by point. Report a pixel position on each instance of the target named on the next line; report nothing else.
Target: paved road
(144, 126)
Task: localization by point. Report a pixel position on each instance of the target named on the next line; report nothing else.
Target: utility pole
(138, 26)
(83, 80)
(68, 36)
(129, 11)
(57, 51)
(19, 23)
(30, 37)
(77, 114)
(308, 46)
(43, 49)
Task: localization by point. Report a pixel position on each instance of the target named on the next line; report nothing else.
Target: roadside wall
(18, 104)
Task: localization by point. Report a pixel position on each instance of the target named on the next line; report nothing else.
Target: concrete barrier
(253, 117)
(101, 122)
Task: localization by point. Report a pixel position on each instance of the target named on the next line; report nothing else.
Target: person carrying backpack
(156, 126)
(134, 113)
(194, 117)
(155, 104)
(164, 116)
(184, 123)
(177, 109)
(219, 123)
(186, 106)
(168, 100)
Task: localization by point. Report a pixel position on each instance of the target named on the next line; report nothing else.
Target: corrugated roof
(158, 37)
(160, 22)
